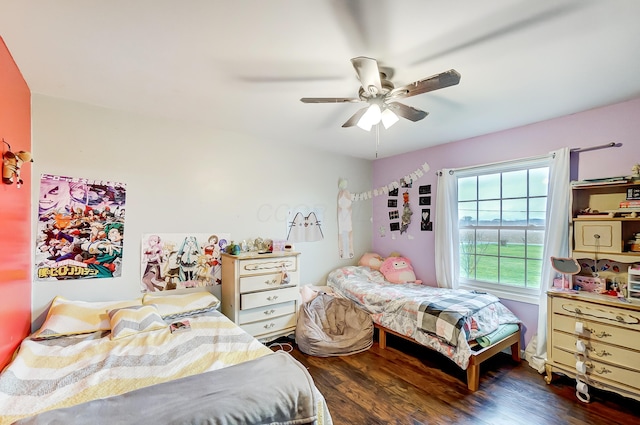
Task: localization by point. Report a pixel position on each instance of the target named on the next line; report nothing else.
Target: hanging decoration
(394, 185)
(345, 226)
(11, 163)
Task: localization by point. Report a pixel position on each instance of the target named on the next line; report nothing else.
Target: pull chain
(377, 138)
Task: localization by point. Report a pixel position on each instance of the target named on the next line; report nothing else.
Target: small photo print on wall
(424, 190)
(394, 215)
(425, 200)
(405, 183)
(394, 226)
(392, 203)
(425, 220)
(393, 192)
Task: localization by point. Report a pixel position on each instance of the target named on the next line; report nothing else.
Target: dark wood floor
(409, 384)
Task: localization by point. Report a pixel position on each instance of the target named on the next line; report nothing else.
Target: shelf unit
(606, 234)
(633, 284)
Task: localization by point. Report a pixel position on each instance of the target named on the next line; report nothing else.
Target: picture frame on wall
(394, 226)
(394, 192)
(425, 220)
(394, 215)
(424, 190)
(392, 203)
(425, 200)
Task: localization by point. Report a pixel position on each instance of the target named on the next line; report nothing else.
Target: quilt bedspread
(404, 308)
(67, 371)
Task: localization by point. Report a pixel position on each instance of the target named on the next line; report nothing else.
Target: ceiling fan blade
(329, 100)
(355, 117)
(408, 112)
(435, 82)
(368, 74)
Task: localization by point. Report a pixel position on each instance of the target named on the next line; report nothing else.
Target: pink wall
(618, 123)
(15, 227)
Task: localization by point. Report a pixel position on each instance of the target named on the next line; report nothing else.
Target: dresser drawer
(601, 236)
(600, 370)
(599, 351)
(266, 281)
(591, 312)
(596, 331)
(257, 266)
(264, 298)
(267, 312)
(268, 326)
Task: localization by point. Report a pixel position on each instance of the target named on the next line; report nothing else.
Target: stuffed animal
(371, 260)
(398, 270)
(11, 163)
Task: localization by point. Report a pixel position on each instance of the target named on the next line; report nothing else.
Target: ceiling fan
(381, 95)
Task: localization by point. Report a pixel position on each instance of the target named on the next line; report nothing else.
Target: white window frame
(504, 291)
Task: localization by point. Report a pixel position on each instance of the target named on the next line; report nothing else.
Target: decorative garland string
(384, 190)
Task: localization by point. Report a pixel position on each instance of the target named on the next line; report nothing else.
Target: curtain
(446, 228)
(556, 244)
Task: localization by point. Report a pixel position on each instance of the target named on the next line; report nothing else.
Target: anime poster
(181, 260)
(304, 226)
(80, 230)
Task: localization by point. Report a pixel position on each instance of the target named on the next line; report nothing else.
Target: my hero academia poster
(80, 228)
(181, 260)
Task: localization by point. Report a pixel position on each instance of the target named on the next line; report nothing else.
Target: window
(501, 227)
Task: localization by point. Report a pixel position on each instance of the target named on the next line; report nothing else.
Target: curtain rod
(592, 148)
(505, 163)
(572, 150)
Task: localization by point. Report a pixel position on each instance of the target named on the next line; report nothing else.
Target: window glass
(501, 225)
(489, 186)
(514, 184)
(467, 189)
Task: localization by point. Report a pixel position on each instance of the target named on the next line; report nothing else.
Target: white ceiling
(243, 65)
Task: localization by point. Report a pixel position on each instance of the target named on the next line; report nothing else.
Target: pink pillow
(371, 260)
(398, 270)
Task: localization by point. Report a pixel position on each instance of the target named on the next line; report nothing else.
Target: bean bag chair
(329, 326)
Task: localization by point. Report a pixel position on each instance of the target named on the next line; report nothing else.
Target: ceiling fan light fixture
(370, 118)
(388, 118)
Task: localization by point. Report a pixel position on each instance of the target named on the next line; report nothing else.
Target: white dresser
(607, 331)
(254, 295)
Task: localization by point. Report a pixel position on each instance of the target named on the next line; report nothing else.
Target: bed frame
(473, 370)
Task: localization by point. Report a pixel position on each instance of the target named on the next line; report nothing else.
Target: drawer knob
(602, 334)
(272, 298)
(269, 325)
(603, 371)
(271, 282)
(603, 353)
(269, 312)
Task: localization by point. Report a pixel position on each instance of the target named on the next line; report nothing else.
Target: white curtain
(556, 244)
(446, 228)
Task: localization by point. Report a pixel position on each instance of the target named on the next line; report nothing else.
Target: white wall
(183, 177)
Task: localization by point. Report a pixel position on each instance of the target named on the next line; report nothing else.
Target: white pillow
(182, 305)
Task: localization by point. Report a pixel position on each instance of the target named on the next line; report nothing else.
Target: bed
(465, 326)
(143, 361)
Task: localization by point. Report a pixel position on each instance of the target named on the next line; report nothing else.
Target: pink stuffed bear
(398, 270)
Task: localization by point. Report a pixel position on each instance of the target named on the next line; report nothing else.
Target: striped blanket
(56, 373)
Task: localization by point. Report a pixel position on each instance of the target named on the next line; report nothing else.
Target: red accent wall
(15, 207)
